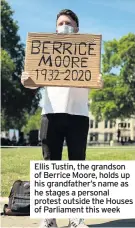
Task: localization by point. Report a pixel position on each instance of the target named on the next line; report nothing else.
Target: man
(64, 115)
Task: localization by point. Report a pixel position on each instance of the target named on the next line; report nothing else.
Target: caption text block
(85, 189)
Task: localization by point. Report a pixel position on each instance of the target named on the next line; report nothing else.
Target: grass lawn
(15, 161)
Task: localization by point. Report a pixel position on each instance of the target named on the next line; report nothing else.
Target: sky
(112, 19)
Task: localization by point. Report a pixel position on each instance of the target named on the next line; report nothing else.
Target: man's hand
(100, 81)
(25, 76)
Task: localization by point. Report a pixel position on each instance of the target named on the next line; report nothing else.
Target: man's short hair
(69, 13)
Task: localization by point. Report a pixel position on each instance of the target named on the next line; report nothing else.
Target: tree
(33, 122)
(17, 101)
(7, 68)
(117, 98)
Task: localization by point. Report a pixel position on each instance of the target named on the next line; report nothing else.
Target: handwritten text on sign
(63, 60)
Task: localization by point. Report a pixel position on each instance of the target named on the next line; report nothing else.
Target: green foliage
(17, 101)
(7, 68)
(33, 122)
(7, 64)
(117, 98)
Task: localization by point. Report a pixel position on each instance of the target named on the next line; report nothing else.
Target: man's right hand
(25, 76)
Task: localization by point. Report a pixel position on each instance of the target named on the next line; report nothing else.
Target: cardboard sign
(71, 60)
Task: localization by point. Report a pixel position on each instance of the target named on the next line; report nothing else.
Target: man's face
(66, 20)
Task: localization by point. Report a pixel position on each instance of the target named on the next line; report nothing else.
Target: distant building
(107, 131)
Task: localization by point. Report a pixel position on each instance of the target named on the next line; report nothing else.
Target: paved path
(26, 222)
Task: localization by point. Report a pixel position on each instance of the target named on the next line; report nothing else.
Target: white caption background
(85, 189)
